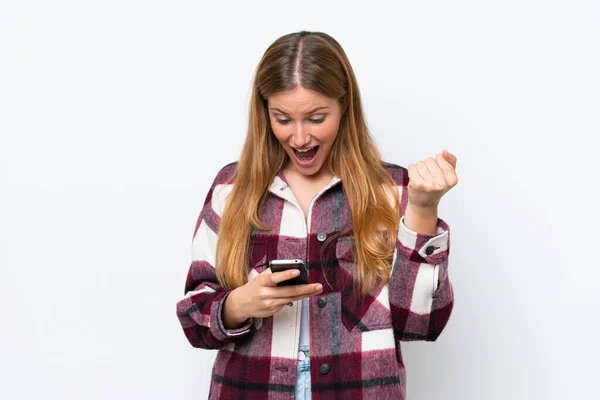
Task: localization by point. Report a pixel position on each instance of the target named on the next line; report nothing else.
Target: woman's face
(303, 119)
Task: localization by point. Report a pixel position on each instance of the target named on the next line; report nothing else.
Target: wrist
(232, 317)
(421, 219)
(426, 212)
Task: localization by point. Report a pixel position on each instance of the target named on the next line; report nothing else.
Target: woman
(310, 184)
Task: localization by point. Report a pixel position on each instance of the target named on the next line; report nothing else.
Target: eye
(317, 121)
(282, 121)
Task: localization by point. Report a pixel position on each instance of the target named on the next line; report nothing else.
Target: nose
(300, 137)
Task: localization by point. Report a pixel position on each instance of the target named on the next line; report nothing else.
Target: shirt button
(321, 237)
(324, 369)
(321, 302)
(430, 249)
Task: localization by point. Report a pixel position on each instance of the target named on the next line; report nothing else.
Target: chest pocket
(365, 314)
(257, 255)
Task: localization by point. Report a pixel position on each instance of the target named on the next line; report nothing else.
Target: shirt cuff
(432, 248)
(217, 326)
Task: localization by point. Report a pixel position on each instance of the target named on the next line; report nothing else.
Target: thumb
(451, 158)
(273, 278)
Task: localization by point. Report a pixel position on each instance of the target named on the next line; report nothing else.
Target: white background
(116, 115)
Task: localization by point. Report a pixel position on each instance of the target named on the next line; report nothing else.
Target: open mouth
(306, 156)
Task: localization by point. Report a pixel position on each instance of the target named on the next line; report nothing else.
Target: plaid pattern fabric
(354, 343)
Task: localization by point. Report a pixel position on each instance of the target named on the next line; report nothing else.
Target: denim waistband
(303, 353)
(304, 365)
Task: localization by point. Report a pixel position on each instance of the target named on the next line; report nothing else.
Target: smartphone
(283, 265)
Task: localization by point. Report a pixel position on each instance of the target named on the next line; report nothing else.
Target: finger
(414, 177)
(449, 171)
(439, 181)
(289, 300)
(428, 180)
(275, 307)
(300, 297)
(451, 158)
(284, 302)
(297, 290)
(274, 278)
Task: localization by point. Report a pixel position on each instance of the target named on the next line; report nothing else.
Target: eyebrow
(308, 112)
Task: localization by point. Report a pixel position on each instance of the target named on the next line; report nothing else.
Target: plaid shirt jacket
(354, 343)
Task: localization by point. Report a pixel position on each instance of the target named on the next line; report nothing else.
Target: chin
(310, 171)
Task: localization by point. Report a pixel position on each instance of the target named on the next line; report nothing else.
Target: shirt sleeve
(200, 310)
(420, 304)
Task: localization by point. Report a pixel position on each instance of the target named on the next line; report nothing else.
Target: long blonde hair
(315, 61)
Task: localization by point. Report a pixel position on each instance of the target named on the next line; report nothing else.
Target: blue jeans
(303, 378)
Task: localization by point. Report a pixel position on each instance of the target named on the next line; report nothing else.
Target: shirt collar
(280, 186)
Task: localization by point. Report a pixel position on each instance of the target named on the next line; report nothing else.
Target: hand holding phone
(261, 297)
(283, 265)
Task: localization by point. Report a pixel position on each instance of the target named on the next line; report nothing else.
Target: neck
(323, 174)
